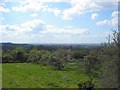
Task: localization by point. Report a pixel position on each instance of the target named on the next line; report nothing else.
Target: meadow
(29, 75)
(0, 75)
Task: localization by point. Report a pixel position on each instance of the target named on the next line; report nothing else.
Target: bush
(6, 58)
(59, 58)
(86, 85)
(91, 63)
(38, 56)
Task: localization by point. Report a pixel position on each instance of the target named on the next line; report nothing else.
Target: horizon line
(51, 43)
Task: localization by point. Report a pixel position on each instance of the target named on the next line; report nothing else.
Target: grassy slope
(25, 75)
(0, 75)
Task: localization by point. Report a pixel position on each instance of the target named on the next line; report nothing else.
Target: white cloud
(21, 32)
(112, 22)
(53, 10)
(115, 14)
(3, 9)
(79, 7)
(2, 28)
(94, 16)
(28, 6)
(20, 29)
(50, 29)
(103, 23)
(48, 33)
(2, 18)
(52, 34)
(58, 1)
(46, 29)
(34, 15)
(30, 25)
(35, 6)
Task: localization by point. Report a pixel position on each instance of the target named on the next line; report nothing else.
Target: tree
(34, 56)
(79, 54)
(57, 63)
(0, 55)
(19, 54)
(59, 58)
(109, 56)
(91, 63)
(6, 58)
(38, 56)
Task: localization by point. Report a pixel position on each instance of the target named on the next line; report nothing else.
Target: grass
(28, 75)
(0, 75)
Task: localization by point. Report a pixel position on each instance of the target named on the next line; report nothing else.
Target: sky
(57, 21)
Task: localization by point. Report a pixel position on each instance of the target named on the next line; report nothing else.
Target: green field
(28, 75)
(0, 75)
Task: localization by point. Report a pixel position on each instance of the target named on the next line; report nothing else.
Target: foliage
(58, 59)
(110, 62)
(86, 85)
(38, 56)
(57, 63)
(19, 54)
(91, 64)
(79, 54)
(6, 58)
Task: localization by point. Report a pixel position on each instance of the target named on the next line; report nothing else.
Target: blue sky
(73, 21)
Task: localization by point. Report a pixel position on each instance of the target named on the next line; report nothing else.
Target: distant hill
(52, 46)
(11, 44)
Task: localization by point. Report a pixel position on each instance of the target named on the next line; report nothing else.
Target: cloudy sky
(73, 21)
